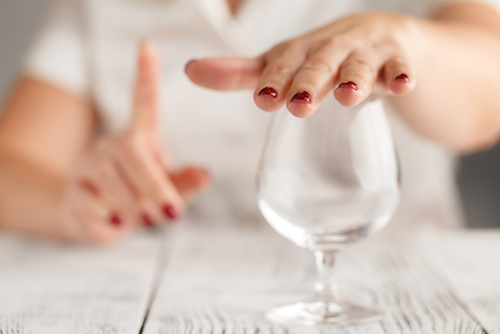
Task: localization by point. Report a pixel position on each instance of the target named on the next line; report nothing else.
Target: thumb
(146, 92)
(225, 73)
(190, 181)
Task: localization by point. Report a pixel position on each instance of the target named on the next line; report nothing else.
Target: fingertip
(199, 178)
(115, 219)
(225, 73)
(147, 219)
(206, 173)
(192, 61)
(147, 46)
(208, 73)
(191, 181)
(347, 94)
(148, 52)
(301, 104)
(268, 99)
(300, 109)
(148, 65)
(400, 84)
(170, 212)
(402, 78)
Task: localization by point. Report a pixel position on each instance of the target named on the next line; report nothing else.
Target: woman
(82, 142)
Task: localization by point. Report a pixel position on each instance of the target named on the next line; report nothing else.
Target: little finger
(399, 77)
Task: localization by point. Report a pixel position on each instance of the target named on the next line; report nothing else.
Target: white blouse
(90, 46)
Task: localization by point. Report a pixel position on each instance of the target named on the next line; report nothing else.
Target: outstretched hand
(355, 57)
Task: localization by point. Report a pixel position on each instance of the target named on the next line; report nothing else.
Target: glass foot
(317, 313)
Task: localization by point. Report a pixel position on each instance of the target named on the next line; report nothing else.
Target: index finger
(146, 96)
(226, 73)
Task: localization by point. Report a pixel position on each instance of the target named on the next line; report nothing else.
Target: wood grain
(56, 288)
(223, 281)
(471, 262)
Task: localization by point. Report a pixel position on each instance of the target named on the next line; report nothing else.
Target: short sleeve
(58, 53)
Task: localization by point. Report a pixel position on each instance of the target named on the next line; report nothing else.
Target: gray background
(479, 174)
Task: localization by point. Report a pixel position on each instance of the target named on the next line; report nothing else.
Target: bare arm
(442, 74)
(457, 98)
(43, 130)
(57, 182)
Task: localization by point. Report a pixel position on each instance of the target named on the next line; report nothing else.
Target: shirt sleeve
(58, 53)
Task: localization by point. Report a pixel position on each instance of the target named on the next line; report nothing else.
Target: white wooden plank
(56, 288)
(471, 261)
(415, 297)
(223, 281)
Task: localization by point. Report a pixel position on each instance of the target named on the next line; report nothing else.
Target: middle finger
(315, 78)
(274, 83)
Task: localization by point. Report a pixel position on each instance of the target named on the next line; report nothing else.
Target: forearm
(30, 198)
(457, 97)
(43, 131)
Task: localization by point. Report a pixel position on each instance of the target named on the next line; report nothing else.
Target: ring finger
(357, 76)
(101, 218)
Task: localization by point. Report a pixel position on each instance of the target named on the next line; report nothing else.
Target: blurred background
(479, 174)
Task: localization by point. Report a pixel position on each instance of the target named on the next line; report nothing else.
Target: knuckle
(279, 68)
(288, 47)
(359, 65)
(317, 65)
(336, 41)
(102, 169)
(131, 146)
(159, 190)
(101, 145)
(294, 46)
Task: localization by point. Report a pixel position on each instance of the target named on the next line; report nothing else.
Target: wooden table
(209, 281)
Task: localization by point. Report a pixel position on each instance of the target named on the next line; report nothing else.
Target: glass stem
(326, 288)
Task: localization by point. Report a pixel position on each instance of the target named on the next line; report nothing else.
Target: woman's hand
(354, 56)
(124, 181)
(454, 53)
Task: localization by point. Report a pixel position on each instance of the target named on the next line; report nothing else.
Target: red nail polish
(147, 220)
(268, 91)
(302, 97)
(115, 220)
(188, 63)
(349, 84)
(401, 77)
(170, 212)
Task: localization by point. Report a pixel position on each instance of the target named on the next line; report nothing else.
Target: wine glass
(324, 182)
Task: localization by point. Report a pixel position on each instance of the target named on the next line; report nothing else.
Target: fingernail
(170, 212)
(401, 77)
(147, 220)
(189, 63)
(302, 97)
(349, 84)
(268, 91)
(115, 220)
